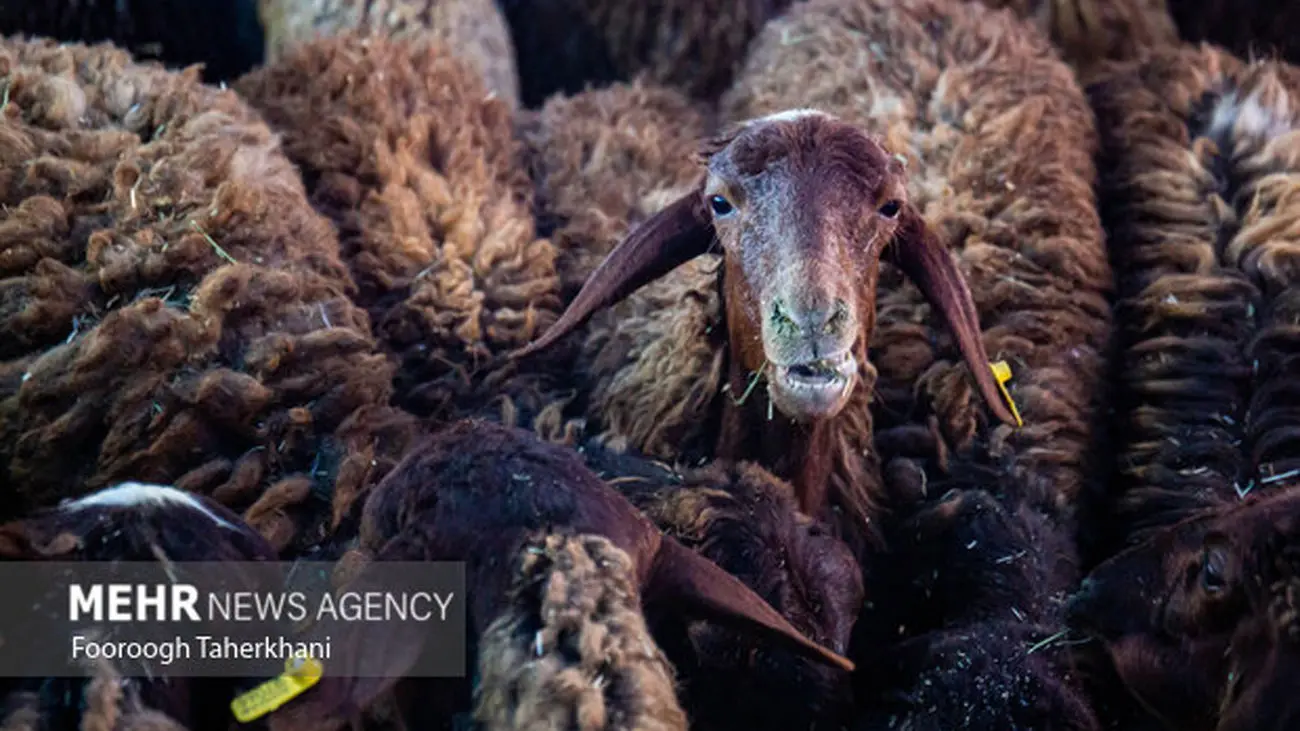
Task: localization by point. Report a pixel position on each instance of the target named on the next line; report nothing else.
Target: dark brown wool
(171, 308)
(478, 491)
(1251, 29)
(747, 521)
(965, 626)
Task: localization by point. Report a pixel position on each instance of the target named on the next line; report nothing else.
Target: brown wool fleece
(1199, 181)
(417, 165)
(572, 650)
(172, 309)
(604, 161)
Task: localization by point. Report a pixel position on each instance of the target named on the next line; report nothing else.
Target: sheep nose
(813, 319)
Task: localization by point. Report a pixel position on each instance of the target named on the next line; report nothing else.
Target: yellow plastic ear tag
(300, 673)
(1002, 372)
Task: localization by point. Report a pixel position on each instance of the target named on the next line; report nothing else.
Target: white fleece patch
(132, 494)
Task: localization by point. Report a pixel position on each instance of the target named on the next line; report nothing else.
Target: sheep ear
(685, 579)
(670, 238)
(925, 260)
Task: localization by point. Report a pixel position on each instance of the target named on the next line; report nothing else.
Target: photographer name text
(209, 647)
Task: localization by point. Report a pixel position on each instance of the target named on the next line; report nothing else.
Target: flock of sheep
(771, 364)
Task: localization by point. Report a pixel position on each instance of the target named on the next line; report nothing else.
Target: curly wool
(171, 309)
(476, 29)
(573, 651)
(604, 161)
(418, 167)
(1201, 174)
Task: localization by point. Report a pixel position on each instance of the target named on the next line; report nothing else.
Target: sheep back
(1200, 165)
(171, 309)
(418, 167)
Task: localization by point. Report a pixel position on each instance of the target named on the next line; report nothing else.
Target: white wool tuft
(131, 494)
(1250, 117)
(792, 115)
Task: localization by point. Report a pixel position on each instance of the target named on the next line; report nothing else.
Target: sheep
(574, 628)
(418, 167)
(695, 47)
(1027, 232)
(225, 37)
(475, 28)
(473, 491)
(171, 309)
(132, 522)
(1198, 619)
(743, 519)
(966, 628)
(1198, 164)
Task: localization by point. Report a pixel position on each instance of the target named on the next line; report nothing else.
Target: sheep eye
(891, 209)
(1212, 578)
(721, 206)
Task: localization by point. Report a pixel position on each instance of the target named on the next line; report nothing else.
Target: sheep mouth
(816, 388)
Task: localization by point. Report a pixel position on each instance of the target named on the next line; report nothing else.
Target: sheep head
(803, 205)
(1178, 613)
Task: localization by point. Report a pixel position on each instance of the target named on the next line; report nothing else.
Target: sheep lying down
(477, 491)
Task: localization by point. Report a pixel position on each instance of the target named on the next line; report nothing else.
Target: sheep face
(1176, 613)
(803, 205)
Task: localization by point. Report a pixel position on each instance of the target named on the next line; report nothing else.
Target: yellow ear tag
(1002, 372)
(300, 673)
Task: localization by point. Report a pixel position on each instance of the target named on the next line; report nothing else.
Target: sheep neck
(831, 464)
